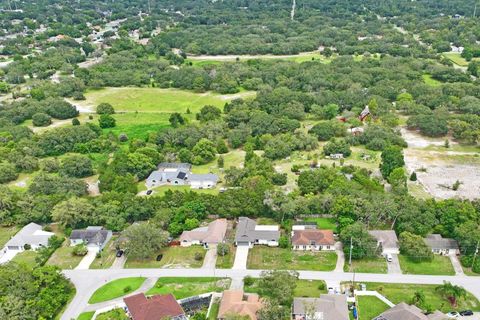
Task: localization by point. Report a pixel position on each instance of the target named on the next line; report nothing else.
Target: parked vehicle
(453, 315)
(466, 313)
(149, 192)
(119, 253)
(389, 257)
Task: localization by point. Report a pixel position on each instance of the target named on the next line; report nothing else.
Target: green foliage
(203, 152)
(326, 130)
(78, 166)
(106, 121)
(413, 176)
(105, 108)
(392, 158)
(414, 247)
(364, 245)
(41, 120)
(284, 242)
(208, 113)
(176, 120)
(143, 240)
(7, 172)
(223, 249)
(337, 146)
(80, 249)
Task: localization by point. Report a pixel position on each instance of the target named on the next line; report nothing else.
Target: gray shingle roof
(328, 306)
(388, 238)
(436, 241)
(174, 165)
(31, 234)
(403, 311)
(246, 232)
(96, 235)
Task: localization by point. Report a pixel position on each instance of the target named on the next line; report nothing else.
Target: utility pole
(475, 255)
(475, 9)
(351, 247)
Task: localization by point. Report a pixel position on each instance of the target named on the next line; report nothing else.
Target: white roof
(31, 234)
(266, 227)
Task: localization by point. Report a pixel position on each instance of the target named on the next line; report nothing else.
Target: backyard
(278, 258)
(324, 223)
(116, 288)
(369, 307)
(374, 265)
(397, 292)
(440, 265)
(173, 257)
(187, 287)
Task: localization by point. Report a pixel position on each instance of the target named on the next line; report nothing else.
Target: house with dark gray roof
(327, 307)
(93, 237)
(179, 174)
(403, 311)
(443, 246)
(249, 233)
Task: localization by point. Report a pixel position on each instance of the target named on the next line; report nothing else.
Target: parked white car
(389, 257)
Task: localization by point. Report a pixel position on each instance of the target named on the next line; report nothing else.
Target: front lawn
(440, 265)
(27, 258)
(261, 257)
(6, 233)
(324, 223)
(304, 289)
(369, 307)
(398, 292)
(213, 314)
(115, 314)
(187, 287)
(86, 315)
(173, 257)
(116, 288)
(226, 261)
(64, 258)
(374, 265)
(107, 256)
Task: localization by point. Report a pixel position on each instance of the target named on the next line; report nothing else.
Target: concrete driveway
(118, 263)
(87, 260)
(7, 256)
(210, 257)
(456, 265)
(394, 266)
(241, 257)
(340, 257)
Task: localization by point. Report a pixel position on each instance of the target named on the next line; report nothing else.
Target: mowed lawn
(400, 292)
(278, 258)
(173, 257)
(440, 265)
(324, 223)
(374, 265)
(64, 258)
(430, 81)
(115, 314)
(6, 233)
(86, 315)
(27, 258)
(369, 307)
(186, 287)
(116, 288)
(304, 288)
(132, 99)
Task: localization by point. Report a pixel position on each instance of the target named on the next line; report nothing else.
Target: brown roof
(157, 307)
(214, 233)
(319, 237)
(234, 302)
(403, 311)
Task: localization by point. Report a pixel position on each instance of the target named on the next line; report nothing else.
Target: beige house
(403, 311)
(313, 239)
(214, 233)
(238, 303)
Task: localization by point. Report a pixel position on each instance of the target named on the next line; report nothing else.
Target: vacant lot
(369, 307)
(64, 258)
(304, 289)
(173, 257)
(116, 288)
(376, 265)
(398, 292)
(187, 287)
(286, 259)
(131, 99)
(439, 266)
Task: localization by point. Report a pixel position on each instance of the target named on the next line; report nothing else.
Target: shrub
(75, 122)
(105, 108)
(41, 120)
(413, 176)
(123, 137)
(279, 179)
(223, 249)
(248, 281)
(321, 286)
(27, 246)
(284, 242)
(7, 172)
(127, 289)
(198, 256)
(106, 121)
(80, 250)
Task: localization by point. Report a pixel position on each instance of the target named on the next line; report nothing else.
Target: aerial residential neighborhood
(239, 160)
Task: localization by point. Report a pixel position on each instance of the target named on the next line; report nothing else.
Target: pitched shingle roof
(96, 235)
(214, 233)
(246, 231)
(234, 302)
(388, 238)
(31, 234)
(158, 307)
(436, 241)
(328, 306)
(310, 236)
(403, 311)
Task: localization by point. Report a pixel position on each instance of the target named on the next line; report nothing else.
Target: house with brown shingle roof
(238, 303)
(214, 233)
(157, 307)
(403, 311)
(313, 239)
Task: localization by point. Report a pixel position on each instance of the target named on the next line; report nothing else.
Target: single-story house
(179, 174)
(403, 311)
(31, 235)
(92, 237)
(304, 225)
(327, 307)
(157, 307)
(214, 233)
(443, 246)
(387, 240)
(238, 303)
(313, 239)
(249, 233)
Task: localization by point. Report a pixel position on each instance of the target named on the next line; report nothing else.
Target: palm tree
(451, 292)
(418, 298)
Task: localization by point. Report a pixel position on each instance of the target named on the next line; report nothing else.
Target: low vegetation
(188, 287)
(116, 288)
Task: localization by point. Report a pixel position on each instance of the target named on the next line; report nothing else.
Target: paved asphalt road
(87, 281)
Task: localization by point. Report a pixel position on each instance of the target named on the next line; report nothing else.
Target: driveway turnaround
(241, 257)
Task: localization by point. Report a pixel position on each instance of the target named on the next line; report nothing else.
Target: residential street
(87, 281)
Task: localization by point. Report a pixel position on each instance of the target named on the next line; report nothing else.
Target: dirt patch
(416, 140)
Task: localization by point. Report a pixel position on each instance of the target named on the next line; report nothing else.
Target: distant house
(327, 307)
(313, 239)
(304, 225)
(30, 237)
(356, 131)
(157, 307)
(336, 156)
(214, 233)
(403, 311)
(236, 302)
(387, 240)
(443, 246)
(249, 233)
(179, 174)
(92, 237)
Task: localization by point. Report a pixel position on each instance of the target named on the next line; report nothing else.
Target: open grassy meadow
(138, 125)
(187, 287)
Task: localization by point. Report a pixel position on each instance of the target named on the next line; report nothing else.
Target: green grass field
(27, 258)
(115, 314)
(187, 287)
(86, 315)
(6, 233)
(456, 58)
(261, 257)
(131, 99)
(116, 288)
(139, 125)
(369, 307)
(378, 265)
(304, 288)
(213, 315)
(398, 292)
(64, 258)
(439, 266)
(430, 81)
(324, 223)
(226, 261)
(173, 257)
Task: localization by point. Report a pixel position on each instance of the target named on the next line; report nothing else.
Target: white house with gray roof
(249, 233)
(93, 237)
(31, 236)
(443, 246)
(179, 174)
